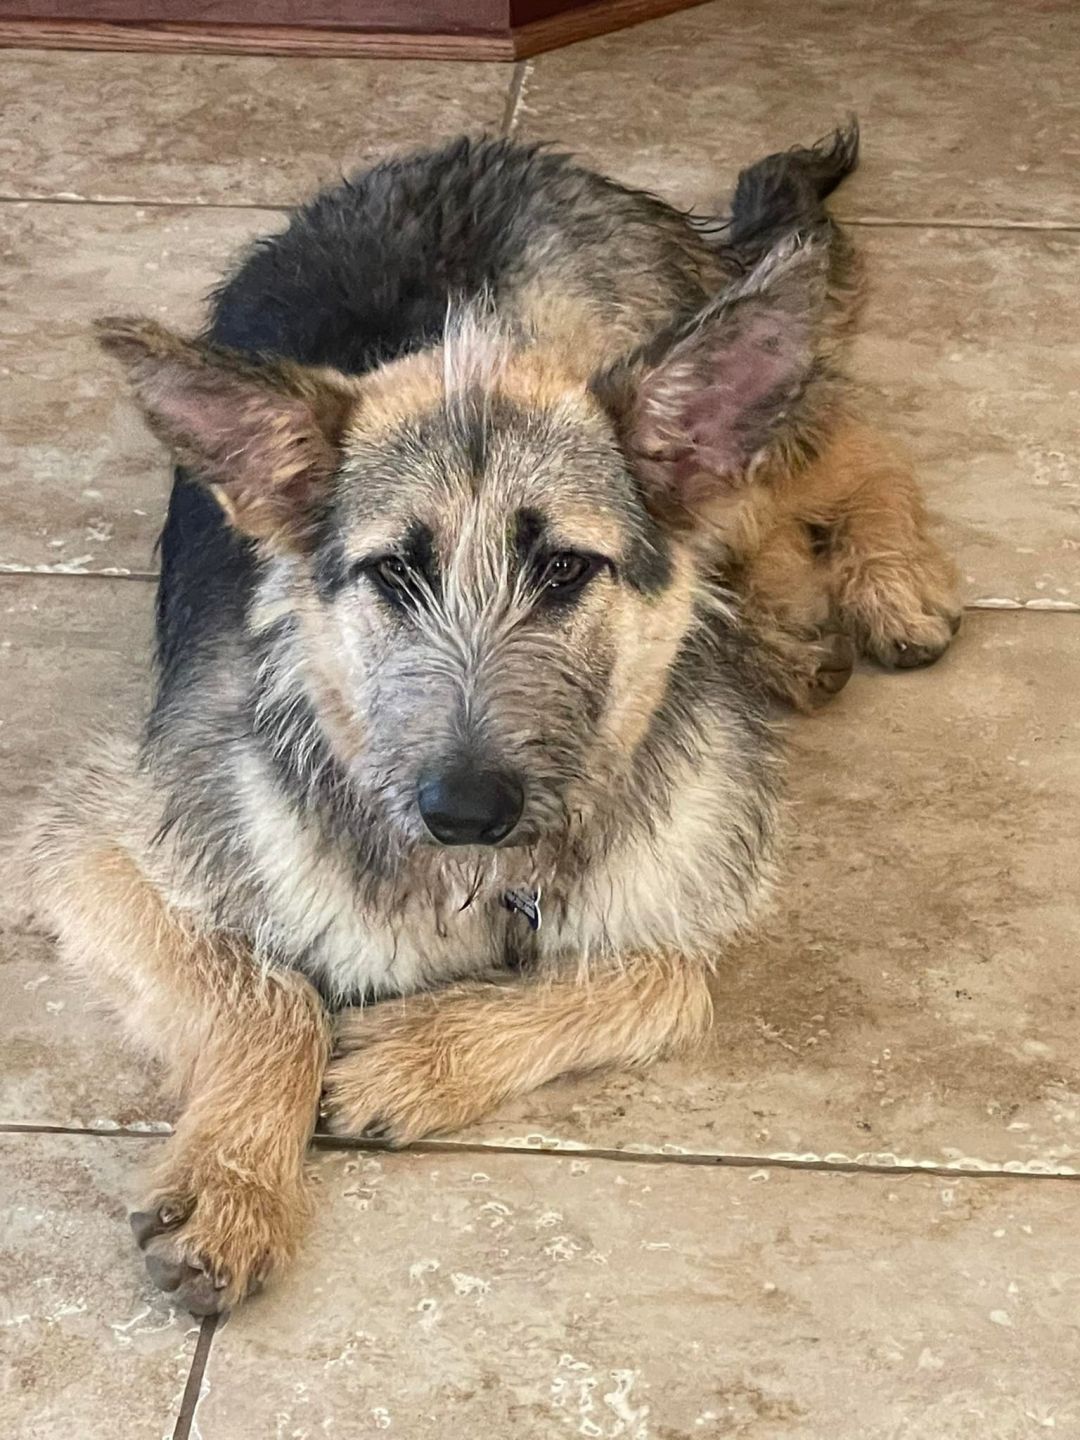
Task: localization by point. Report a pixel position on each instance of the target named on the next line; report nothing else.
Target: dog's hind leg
(844, 562)
(894, 587)
(247, 1049)
(799, 651)
(440, 1060)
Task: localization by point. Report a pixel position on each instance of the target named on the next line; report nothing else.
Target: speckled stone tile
(443, 1298)
(970, 110)
(87, 1348)
(972, 341)
(223, 129)
(913, 996)
(74, 660)
(82, 482)
(66, 1060)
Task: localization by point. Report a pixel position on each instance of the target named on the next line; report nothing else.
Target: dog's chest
(364, 952)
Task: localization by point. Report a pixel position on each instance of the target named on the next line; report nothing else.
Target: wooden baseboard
(518, 42)
(589, 22)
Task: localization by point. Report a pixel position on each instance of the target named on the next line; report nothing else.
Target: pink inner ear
(243, 434)
(713, 403)
(210, 417)
(262, 446)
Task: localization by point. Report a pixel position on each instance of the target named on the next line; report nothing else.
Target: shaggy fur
(496, 476)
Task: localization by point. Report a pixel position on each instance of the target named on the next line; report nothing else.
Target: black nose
(463, 806)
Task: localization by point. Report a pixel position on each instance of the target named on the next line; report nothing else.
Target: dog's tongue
(526, 903)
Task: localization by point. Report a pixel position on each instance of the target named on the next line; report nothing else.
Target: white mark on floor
(562, 1248)
(420, 1269)
(470, 1284)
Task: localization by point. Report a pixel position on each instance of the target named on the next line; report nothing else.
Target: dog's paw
(833, 660)
(906, 615)
(909, 631)
(399, 1072)
(208, 1245)
(914, 644)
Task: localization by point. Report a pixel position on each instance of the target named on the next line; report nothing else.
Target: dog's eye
(390, 574)
(566, 572)
(392, 571)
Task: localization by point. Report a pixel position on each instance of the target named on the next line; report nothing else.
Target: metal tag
(526, 903)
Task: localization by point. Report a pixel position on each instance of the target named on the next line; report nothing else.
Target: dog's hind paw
(905, 614)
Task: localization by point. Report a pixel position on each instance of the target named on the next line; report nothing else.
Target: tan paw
(397, 1074)
(209, 1244)
(905, 615)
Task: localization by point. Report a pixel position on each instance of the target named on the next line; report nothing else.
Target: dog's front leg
(440, 1060)
(228, 1200)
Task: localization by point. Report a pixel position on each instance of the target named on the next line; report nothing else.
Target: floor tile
(87, 1347)
(74, 659)
(970, 110)
(975, 383)
(82, 482)
(224, 129)
(444, 1298)
(66, 1059)
(972, 341)
(913, 997)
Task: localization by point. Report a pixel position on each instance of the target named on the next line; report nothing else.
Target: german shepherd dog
(508, 498)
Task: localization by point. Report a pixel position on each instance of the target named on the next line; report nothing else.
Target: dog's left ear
(699, 409)
(263, 436)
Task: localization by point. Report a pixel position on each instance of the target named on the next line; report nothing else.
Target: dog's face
(486, 563)
(501, 607)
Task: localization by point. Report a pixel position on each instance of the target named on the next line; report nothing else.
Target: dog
(508, 502)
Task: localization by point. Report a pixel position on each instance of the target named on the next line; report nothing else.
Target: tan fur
(245, 1050)
(883, 582)
(434, 1062)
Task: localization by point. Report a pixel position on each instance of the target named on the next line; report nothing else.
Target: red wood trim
(520, 43)
(585, 22)
(240, 40)
(435, 17)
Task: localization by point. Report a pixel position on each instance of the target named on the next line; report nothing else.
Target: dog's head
(483, 565)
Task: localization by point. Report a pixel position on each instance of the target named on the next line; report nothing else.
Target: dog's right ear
(264, 437)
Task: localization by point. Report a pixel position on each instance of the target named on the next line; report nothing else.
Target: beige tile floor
(854, 1213)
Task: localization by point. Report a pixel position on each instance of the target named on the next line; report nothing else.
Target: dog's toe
(190, 1281)
(146, 1224)
(835, 668)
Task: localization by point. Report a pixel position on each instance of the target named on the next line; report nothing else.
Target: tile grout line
(729, 1161)
(509, 117)
(907, 222)
(189, 1402)
(71, 572)
(513, 98)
